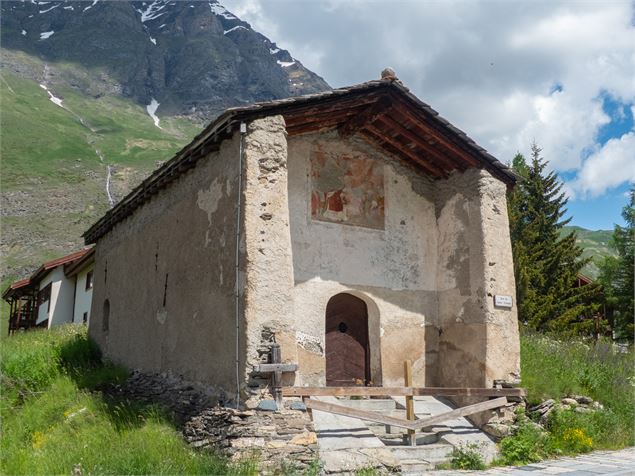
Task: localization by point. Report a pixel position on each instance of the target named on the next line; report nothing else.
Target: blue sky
(561, 74)
(604, 211)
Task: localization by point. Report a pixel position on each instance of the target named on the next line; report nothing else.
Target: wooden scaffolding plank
(410, 425)
(460, 412)
(355, 413)
(401, 392)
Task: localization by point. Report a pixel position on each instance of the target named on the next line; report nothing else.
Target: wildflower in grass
(38, 440)
(577, 439)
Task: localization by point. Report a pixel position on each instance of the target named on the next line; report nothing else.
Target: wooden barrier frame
(410, 425)
(401, 392)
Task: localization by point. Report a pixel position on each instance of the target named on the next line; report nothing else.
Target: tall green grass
(554, 368)
(54, 419)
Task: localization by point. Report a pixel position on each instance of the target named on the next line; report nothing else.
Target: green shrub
(527, 445)
(466, 457)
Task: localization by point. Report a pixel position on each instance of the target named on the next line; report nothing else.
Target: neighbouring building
(58, 292)
(356, 228)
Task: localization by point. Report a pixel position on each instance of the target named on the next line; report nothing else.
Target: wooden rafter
(439, 137)
(420, 142)
(367, 116)
(398, 149)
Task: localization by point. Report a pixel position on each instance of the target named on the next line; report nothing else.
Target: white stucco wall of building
(83, 296)
(391, 269)
(62, 298)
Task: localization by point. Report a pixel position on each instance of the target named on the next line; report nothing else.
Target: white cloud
(610, 166)
(489, 67)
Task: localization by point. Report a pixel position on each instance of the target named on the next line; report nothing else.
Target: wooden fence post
(276, 378)
(410, 403)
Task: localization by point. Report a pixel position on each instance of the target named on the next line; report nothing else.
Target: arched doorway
(347, 350)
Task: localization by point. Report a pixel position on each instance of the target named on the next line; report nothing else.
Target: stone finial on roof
(389, 73)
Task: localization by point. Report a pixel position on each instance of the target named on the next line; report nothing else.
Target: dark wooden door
(347, 353)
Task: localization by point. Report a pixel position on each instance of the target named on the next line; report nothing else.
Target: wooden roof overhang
(18, 289)
(383, 112)
(75, 267)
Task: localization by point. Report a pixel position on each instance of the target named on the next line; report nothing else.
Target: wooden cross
(275, 367)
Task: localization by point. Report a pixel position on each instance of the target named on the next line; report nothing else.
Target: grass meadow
(54, 418)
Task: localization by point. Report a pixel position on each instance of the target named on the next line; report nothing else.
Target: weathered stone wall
(268, 263)
(385, 257)
(478, 343)
(167, 273)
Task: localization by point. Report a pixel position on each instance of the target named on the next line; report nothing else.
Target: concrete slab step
(432, 453)
(414, 466)
(371, 404)
(393, 439)
(352, 460)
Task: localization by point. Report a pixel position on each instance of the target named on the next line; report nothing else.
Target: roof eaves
(504, 171)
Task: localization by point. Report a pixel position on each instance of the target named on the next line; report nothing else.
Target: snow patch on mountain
(49, 9)
(235, 28)
(92, 5)
(218, 9)
(152, 109)
(52, 98)
(153, 11)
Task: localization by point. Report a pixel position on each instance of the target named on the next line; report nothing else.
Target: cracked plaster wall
(478, 342)
(168, 273)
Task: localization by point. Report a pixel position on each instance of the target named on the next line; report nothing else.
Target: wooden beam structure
(410, 402)
(401, 392)
(410, 425)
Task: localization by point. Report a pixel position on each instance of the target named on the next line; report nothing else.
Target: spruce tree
(546, 260)
(616, 275)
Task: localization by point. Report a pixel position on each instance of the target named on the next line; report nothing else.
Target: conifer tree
(546, 260)
(616, 275)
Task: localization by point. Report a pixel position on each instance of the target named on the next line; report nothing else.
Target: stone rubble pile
(578, 403)
(181, 398)
(506, 419)
(280, 439)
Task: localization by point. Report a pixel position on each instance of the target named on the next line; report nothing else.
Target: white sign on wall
(503, 301)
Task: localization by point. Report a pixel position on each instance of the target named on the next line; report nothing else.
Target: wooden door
(347, 352)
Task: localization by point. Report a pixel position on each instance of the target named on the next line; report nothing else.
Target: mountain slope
(595, 244)
(94, 95)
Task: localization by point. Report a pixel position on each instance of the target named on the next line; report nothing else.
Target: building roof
(383, 112)
(16, 288)
(71, 268)
(25, 285)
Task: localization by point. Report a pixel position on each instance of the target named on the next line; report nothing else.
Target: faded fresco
(346, 189)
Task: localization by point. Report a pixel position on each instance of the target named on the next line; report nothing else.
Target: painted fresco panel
(347, 189)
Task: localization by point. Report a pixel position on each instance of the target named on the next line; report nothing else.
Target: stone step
(371, 405)
(432, 453)
(415, 466)
(392, 439)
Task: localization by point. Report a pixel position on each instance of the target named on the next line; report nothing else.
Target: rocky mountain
(190, 57)
(95, 94)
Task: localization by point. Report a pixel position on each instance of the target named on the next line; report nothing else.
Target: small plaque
(503, 301)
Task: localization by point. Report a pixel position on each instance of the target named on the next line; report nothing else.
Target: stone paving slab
(457, 432)
(613, 463)
(336, 432)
